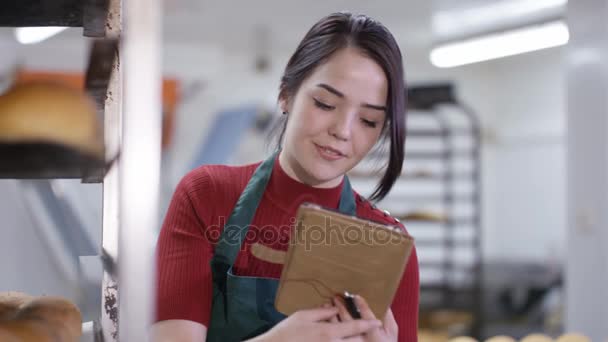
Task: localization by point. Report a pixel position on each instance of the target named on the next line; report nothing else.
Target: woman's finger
(332, 319)
(390, 324)
(366, 311)
(317, 315)
(352, 328)
(343, 313)
(358, 338)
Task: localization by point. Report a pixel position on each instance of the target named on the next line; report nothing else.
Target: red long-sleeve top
(201, 205)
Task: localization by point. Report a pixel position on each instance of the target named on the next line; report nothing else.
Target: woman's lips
(329, 153)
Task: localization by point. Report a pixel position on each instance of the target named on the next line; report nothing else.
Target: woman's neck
(293, 169)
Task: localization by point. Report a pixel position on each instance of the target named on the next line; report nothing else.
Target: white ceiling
(236, 24)
(233, 23)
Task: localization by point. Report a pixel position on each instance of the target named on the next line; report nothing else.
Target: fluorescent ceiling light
(502, 44)
(446, 22)
(31, 35)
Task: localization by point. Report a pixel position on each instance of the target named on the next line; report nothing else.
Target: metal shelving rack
(437, 105)
(459, 285)
(132, 125)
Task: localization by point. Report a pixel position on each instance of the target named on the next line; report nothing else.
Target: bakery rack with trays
(117, 61)
(438, 199)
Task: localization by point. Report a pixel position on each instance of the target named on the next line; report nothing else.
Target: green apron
(243, 307)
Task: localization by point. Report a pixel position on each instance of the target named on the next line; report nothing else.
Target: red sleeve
(184, 283)
(405, 304)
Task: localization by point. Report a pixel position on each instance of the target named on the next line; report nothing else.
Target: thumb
(318, 314)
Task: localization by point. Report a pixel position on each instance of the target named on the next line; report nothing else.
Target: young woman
(342, 91)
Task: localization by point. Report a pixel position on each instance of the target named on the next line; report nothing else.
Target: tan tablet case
(330, 253)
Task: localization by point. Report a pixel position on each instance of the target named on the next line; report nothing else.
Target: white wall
(530, 149)
(587, 262)
(25, 261)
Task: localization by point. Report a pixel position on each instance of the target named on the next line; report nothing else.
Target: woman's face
(335, 118)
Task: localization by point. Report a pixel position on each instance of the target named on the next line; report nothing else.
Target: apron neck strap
(347, 200)
(237, 226)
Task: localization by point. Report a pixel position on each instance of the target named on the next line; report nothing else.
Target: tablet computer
(331, 253)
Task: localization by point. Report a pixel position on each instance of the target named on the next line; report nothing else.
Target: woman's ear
(283, 105)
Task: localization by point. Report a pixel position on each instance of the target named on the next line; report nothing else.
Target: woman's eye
(322, 105)
(369, 123)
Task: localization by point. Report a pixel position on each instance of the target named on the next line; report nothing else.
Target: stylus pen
(352, 308)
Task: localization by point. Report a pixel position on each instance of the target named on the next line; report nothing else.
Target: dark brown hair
(338, 31)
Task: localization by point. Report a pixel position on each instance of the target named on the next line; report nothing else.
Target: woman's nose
(341, 127)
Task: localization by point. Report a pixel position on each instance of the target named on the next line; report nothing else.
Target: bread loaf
(7, 336)
(46, 112)
(29, 331)
(423, 216)
(59, 314)
(25, 318)
(10, 303)
(7, 311)
(15, 298)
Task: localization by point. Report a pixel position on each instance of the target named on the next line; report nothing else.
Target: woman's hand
(389, 331)
(315, 325)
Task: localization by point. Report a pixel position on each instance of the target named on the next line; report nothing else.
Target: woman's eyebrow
(331, 89)
(341, 95)
(371, 106)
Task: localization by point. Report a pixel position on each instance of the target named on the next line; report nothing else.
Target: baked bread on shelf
(361, 173)
(47, 112)
(421, 215)
(26, 318)
(10, 303)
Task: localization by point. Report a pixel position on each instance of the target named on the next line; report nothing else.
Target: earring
(284, 113)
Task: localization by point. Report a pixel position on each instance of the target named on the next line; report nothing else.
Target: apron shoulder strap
(237, 225)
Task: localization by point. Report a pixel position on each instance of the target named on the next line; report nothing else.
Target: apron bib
(243, 307)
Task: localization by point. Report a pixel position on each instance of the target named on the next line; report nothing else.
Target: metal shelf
(100, 19)
(440, 155)
(30, 13)
(88, 14)
(444, 287)
(434, 133)
(424, 100)
(432, 155)
(43, 161)
(448, 222)
(354, 174)
(445, 242)
(434, 197)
